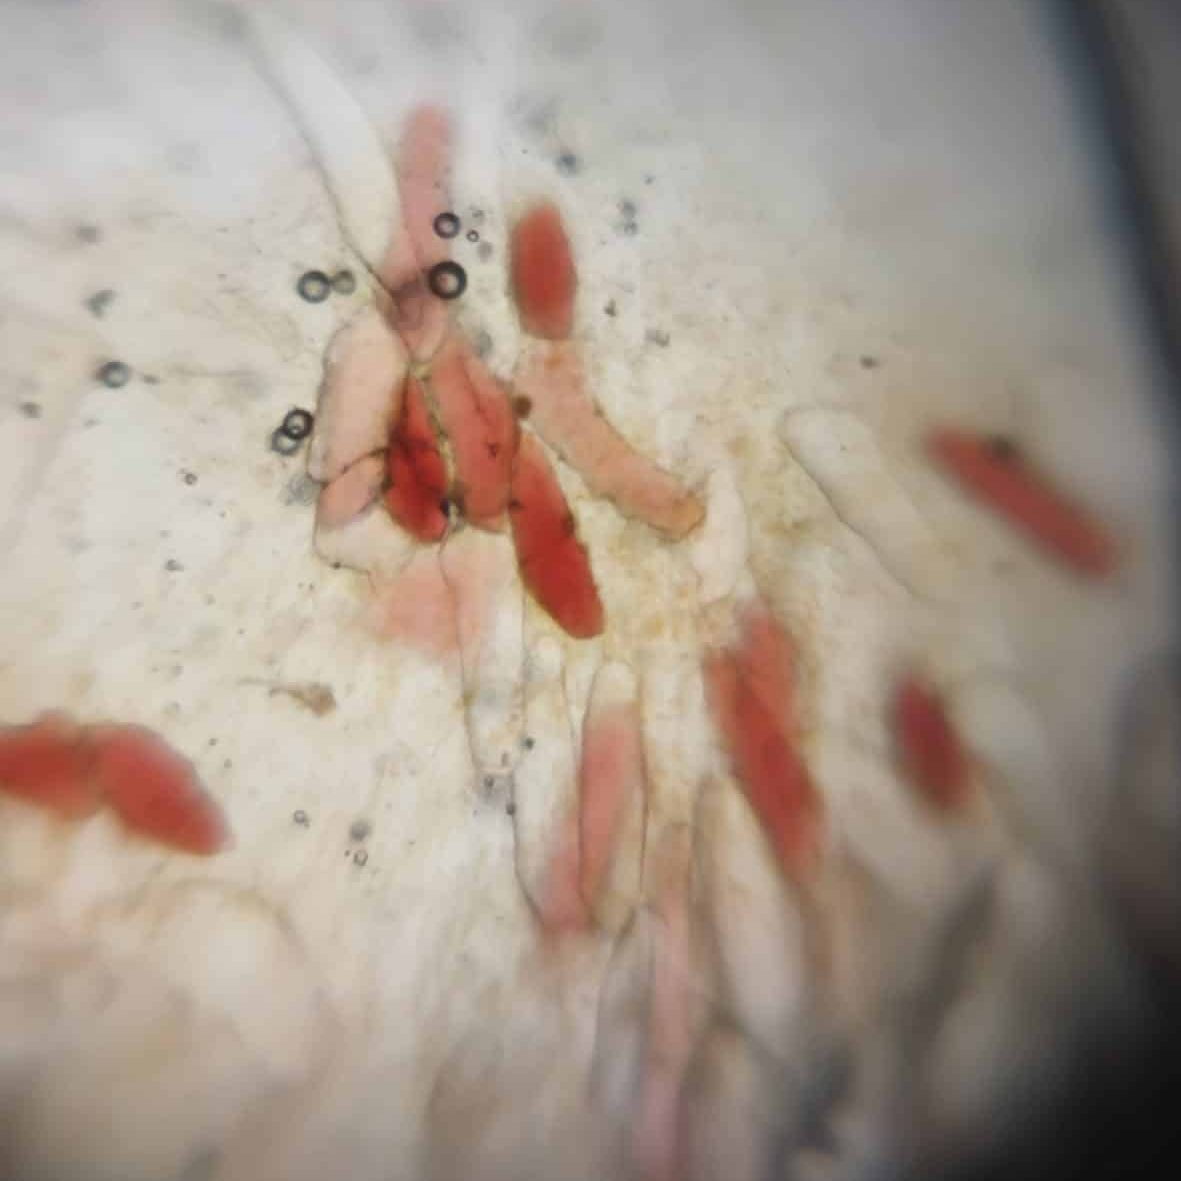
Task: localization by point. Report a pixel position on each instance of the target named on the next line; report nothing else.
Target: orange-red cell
(554, 564)
(766, 763)
(1002, 480)
(929, 747)
(47, 763)
(481, 428)
(417, 474)
(542, 270)
(154, 791)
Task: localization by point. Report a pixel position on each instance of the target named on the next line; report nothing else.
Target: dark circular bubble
(283, 444)
(297, 424)
(446, 224)
(448, 280)
(300, 817)
(473, 235)
(344, 283)
(114, 374)
(314, 286)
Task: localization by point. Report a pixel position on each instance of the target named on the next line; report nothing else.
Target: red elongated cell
(1024, 497)
(542, 270)
(47, 763)
(423, 166)
(417, 474)
(154, 791)
(554, 563)
(768, 767)
(424, 181)
(767, 661)
(478, 419)
(928, 745)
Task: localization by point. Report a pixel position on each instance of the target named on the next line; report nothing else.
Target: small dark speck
(568, 164)
(150, 379)
(477, 215)
(172, 565)
(300, 817)
(213, 742)
(657, 336)
(1003, 447)
(88, 233)
(510, 808)
(31, 409)
(649, 179)
(629, 229)
(609, 308)
(344, 283)
(360, 857)
(100, 301)
(483, 344)
(522, 405)
(529, 743)
(489, 782)
(114, 374)
(226, 764)
(484, 251)
(472, 235)
(359, 829)
(189, 478)
(628, 210)
(868, 362)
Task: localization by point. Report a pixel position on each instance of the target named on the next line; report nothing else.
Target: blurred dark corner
(1120, 1112)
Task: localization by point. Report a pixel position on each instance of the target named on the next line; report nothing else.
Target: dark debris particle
(522, 405)
(510, 809)
(100, 301)
(472, 235)
(446, 224)
(868, 362)
(609, 308)
(344, 282)
(360, 857)
(445, 507)
(114, 374)
(172, 565)
(489, 782)
(628, 210)
(483, 344)
(657, 336)
(1003, 447)
(300, 817)
(568, 164)
(88, 233)
(314, 286)
(31, 409)
(448, 280)
(359, 829)
(629, 228)
(297, 423)
(283, 444)
(529, 743)
(189, 478)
